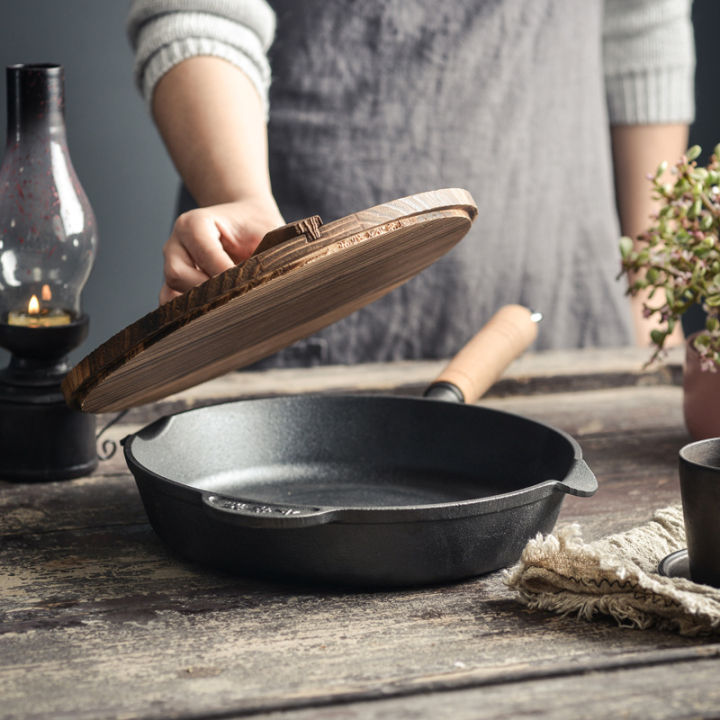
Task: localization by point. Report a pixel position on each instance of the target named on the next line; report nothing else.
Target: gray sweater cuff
(649, 58)
(166, 32)
(652, 96)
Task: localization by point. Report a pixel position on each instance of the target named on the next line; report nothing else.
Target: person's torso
(379, 99)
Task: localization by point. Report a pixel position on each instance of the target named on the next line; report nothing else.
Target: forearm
(637, 151)
(212, 122)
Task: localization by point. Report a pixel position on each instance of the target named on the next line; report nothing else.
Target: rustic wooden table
(99, 620)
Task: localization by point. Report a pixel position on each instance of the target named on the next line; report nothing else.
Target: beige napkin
(617, 576)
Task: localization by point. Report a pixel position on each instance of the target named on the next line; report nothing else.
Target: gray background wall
(117, 154)
(121, 161)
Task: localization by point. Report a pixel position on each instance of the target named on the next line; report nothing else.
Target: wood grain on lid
(278, 296)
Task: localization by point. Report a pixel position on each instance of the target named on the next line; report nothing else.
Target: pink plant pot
(701, 396)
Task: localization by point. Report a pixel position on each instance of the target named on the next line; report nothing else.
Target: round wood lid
(301, 278)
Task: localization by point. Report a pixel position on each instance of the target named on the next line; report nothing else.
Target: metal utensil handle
(485, 357)
(265, 515)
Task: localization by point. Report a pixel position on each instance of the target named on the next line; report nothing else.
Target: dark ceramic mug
(700, 491)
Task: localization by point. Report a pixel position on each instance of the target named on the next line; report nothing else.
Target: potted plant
(677, 260)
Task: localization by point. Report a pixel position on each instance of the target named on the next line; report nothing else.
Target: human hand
(209, 240)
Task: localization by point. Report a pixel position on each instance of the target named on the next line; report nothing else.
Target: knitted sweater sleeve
(163, 33)
(649, 61)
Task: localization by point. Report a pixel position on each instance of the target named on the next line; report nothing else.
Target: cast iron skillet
(369, 491)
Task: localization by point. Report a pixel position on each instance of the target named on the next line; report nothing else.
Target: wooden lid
(302, 277)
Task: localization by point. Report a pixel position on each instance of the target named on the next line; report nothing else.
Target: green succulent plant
(678, 257)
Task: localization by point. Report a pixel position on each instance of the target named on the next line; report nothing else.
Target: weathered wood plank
(559, 370)
(82, 607)
(99, 619)
(532, 374)
(685, 689)
(112, 627)
(613, 410)
(93, 502)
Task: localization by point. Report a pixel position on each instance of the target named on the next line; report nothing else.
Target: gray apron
(376, 99)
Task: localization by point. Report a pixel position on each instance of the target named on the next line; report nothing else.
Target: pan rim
(375, 515)
(358, 514)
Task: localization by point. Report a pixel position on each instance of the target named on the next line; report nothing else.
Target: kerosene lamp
(47, 247)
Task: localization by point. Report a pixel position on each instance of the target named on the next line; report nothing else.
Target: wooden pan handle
(482, 361)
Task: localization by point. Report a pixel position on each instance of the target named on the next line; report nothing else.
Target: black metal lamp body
(41, 438)
(47, 247)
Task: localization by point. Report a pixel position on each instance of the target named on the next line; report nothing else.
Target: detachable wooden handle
(309, 227)
(482, 361)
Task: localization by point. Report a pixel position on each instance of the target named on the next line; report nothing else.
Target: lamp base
(41, 438)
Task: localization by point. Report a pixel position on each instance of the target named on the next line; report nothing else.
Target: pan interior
(346, 485)
(351, 451)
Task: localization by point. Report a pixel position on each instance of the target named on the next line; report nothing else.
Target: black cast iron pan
(368, 491)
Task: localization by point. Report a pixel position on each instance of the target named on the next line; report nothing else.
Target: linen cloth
(617, 576)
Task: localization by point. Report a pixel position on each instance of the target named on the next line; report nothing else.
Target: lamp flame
(33, 306)
(46, 292)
